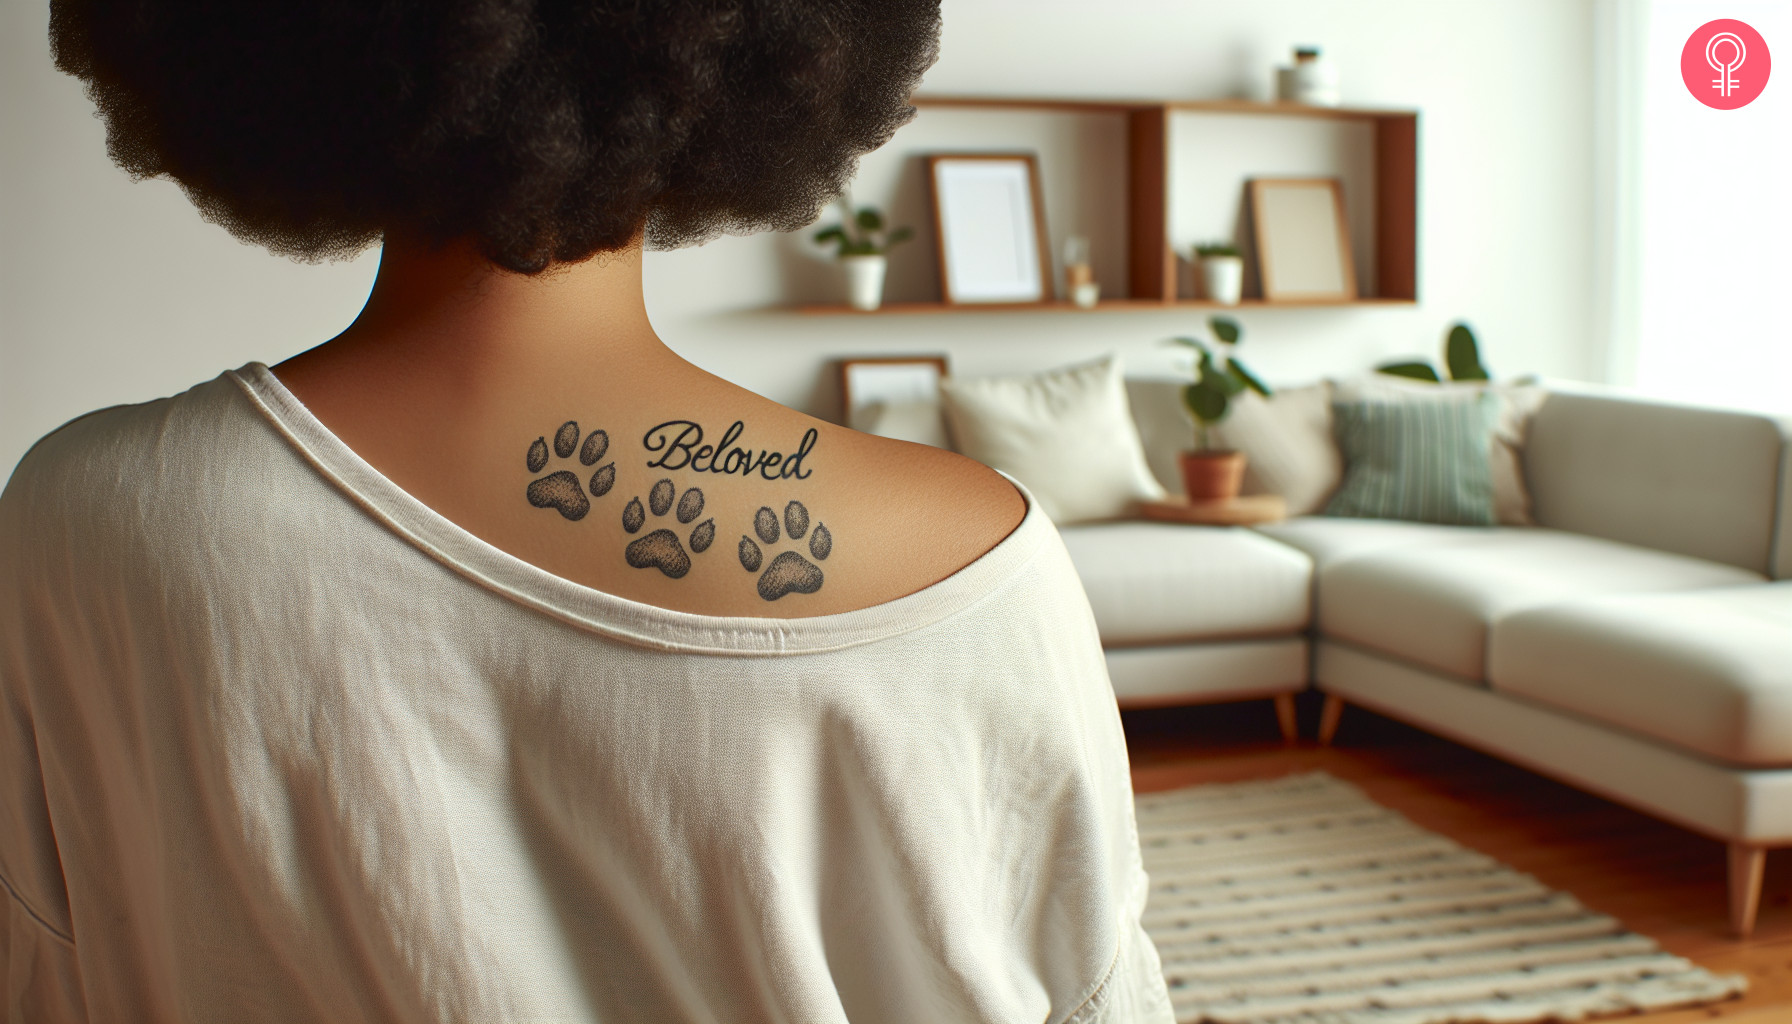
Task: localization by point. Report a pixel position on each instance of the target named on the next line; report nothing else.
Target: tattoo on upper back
(789, 572)
(561, 489)
(662, 549)
(678, 445)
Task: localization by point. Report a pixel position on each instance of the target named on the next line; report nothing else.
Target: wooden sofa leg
(1328, 719)
(1285, 718)
(1747, 864)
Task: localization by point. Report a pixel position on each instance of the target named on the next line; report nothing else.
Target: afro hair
(543, 131)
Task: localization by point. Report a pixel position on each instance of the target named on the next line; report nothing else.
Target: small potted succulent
(1222, 272)
(864, 243)
(1209, 474)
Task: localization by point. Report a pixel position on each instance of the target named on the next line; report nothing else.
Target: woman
(490, 662)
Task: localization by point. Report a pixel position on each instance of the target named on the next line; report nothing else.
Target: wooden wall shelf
(1104, 306)
(1152, 276)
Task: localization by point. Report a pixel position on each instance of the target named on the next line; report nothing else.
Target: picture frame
(989, 228)
(1303, 239)
(872, 381)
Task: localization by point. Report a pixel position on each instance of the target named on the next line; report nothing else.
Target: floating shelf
(1152, 277)
(1104, 306)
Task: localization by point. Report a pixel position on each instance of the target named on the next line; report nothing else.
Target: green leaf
(1463, 356)
(899, 236)
(870, 219)
(1416, 371)
(1247, 378)
(1231, 383)
(833, 234)
(1224, 328)
(1205, 402)
(1195, 343)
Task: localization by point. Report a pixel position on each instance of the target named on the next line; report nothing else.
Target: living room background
(1508, 216)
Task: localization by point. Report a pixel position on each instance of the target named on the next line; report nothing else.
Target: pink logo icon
(1725, 64)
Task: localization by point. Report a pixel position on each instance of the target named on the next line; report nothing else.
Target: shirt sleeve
(42, 982)
(39, 977)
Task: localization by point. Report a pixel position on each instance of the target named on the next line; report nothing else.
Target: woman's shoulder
(117, 468)
(900, 516)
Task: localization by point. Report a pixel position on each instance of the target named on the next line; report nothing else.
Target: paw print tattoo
(560, 490)
(789, 572)
(662, 549)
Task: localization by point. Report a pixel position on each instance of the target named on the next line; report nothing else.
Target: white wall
(1715, 215)
(113, 292)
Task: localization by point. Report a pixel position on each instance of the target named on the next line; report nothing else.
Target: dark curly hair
(542, 130)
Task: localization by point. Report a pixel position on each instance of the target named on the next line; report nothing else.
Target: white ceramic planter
(1222, 278)
(865, 280)
(1313, 81)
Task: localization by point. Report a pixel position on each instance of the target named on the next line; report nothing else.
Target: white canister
(865, 280)
(1222, 278)
(1312, 80)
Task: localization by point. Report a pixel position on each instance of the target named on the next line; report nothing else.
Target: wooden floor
(1661, 881)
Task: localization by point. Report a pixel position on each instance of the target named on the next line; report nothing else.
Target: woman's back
(546, 432)
(314, 752)
(490, 661)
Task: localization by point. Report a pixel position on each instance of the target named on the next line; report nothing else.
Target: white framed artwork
(895, 396)
(989, 225)
(1303, 241)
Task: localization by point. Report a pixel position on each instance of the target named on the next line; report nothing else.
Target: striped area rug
(1301, 901)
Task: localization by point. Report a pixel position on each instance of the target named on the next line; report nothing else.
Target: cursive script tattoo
(680, 444)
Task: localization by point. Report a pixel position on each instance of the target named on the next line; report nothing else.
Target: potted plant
(863, 249)
(1209, 474)
(1462, 357)
(1222, 272)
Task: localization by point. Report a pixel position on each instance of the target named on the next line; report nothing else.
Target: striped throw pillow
(1427, 461)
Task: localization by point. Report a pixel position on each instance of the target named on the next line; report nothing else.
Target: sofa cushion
(1518, 404)
(1782, 529)
(1163, 582)
(1432, 603)
(1066, 434)
(1423, 460)
(1700, 482)
(1326, 539)
(1707, 670)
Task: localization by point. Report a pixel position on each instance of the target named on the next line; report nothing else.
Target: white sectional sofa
(1637, 642)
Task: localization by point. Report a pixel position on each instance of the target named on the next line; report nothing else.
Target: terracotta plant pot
(1212, 476)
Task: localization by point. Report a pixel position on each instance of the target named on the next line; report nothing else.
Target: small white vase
(865, 280)
(1222, 278)
(1312, 80)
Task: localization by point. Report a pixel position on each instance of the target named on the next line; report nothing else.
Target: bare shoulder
(899, 516)
(934, 511)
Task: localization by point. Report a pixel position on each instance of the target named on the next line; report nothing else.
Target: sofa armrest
(1782, 531)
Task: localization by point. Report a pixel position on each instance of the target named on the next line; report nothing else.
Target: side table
(1246, 510)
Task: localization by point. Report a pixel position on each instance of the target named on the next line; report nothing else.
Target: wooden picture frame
(1303, 240)
(989, 228)
(873, 380)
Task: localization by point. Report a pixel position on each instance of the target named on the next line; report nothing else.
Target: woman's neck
(468, 316)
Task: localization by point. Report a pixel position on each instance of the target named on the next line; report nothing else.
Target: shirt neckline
(605, 613)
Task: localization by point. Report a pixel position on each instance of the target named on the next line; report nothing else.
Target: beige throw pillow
(1519, 402)
(1287, 443)
(1067, 435)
